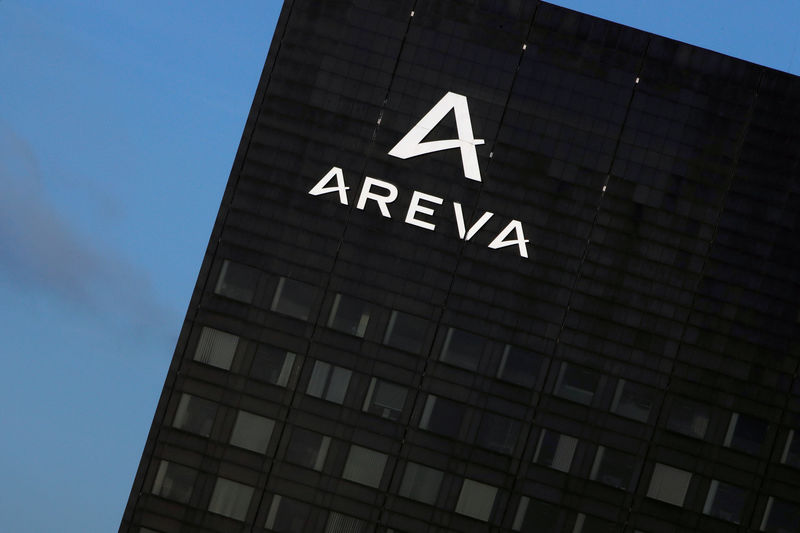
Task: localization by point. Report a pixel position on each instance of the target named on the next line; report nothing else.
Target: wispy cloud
(41, 251)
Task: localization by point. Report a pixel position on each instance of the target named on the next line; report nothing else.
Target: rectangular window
(442, 416)
(405, 332)
(555, 450)
(195, 415)
(590, 524)
(689, 418)
(613, 468)
(231, 499)
(272, 365)
(669, 484)
(633, 401)
(349, 315)
(286, 515)
(237, 282)
(725, 501)
(498, 433)
(519, 366)
(364, 466)
(462, 349)
(536, 516)
(791, 451)
(576, 383)
(174, 481)
(308, 448)
(216, 348)
(421, 483)
(476, 500)
(385, 399)
(293, 298)
(252, 432)
(328, 382)
(339, 523)
(746, 433)
(780, 517)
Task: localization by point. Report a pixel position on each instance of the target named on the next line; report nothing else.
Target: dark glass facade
(356, 362)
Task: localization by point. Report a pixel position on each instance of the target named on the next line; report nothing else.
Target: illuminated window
(216, 348)
(669, 484)
(231, 499)
(328, 382)
(349, 315)
(476, 500)
(364, 466)
(555, 450)
(195, 415)
(293, 298)
(252, 432)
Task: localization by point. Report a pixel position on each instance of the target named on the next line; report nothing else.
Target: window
(590, 524)
(462, 349)
(576, 383)
(230, 498)
(780, 517)
(689, 418)
(293, 298)
(364, 466)
(555, 450)
(174, 481)
(442, 416)
(746, 433)
(476, 500)
(405, 332)
(216, 348)
(519, 366)
(385, 399)
(725, 501)
(237, 282)
(421, 483)
(339, 523)
(613, 468)
(349, 315)
(669, 484)
(308, 449)
(498, 433)
(536, 516)
(328, 382)
(633, 401)
(791, 452)
(272, 365)
(252, 432)
(195, 415)
(286, 515)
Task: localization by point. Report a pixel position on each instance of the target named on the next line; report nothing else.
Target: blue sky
(119, 122)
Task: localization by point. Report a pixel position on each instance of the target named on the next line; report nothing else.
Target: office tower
(491, 265)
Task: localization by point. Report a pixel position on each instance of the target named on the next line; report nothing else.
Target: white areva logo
(411, 145)
(423, 206)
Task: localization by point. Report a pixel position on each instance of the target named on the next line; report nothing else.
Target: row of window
(475, 500)
(631, 400)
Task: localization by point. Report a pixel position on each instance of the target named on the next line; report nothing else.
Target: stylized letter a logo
(411, 145)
